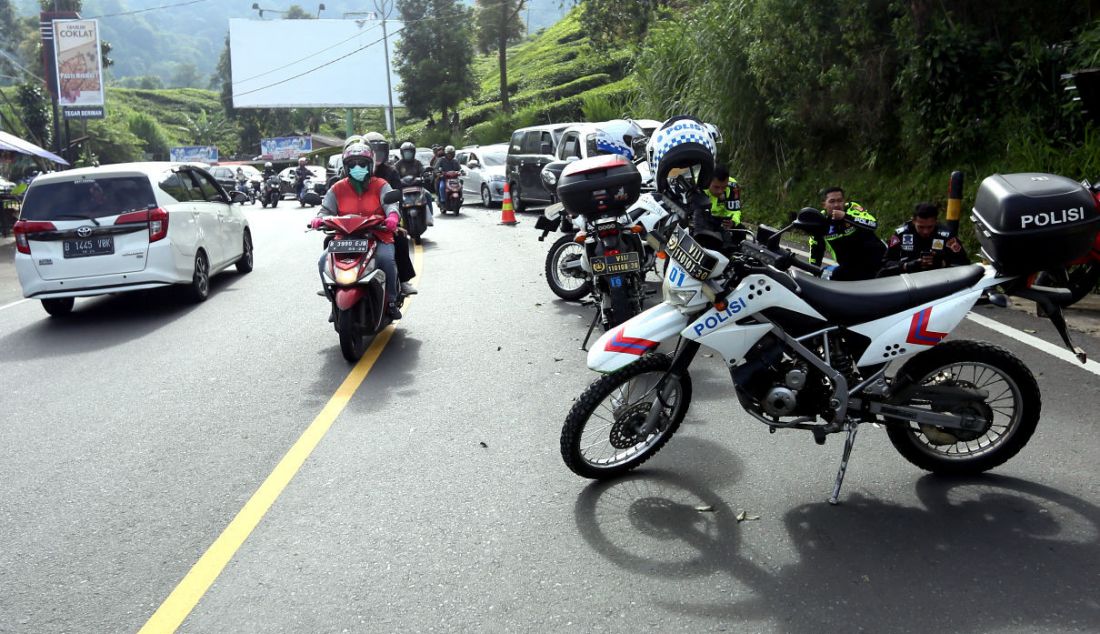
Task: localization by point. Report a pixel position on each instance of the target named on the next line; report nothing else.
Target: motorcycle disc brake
(624, 433)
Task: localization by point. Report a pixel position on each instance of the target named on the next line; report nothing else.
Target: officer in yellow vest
(725, 203)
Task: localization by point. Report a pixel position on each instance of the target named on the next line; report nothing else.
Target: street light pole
(383, 8)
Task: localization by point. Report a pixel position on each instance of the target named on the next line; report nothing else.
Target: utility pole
(383, 8)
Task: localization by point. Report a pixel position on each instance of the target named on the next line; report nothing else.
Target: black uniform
(905, 249)
(411, 167)
(388, 174)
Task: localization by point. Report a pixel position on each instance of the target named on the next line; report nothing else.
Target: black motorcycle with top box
(1032, 222)
(608, 253)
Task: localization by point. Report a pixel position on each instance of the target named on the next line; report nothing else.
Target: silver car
(483, 172)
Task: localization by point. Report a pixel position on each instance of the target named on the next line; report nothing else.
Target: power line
(283, 81)
(314, 54)
(136, 11)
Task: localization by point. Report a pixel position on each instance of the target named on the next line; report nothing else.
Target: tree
(205, 129)
(498, 25)
(61, 5)
(36, 112)
(8, 24)
(435, 56)
(296, 12)
(186, 75)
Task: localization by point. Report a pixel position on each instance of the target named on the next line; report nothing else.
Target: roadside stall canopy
(12, 143)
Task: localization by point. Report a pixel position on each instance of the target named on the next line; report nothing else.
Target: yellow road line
(186, 595)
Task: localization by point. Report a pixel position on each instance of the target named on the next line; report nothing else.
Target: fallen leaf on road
(1030, 331)
(556, 359)
(498, 348)
(483, 445)
(705, 509)
(537, 304)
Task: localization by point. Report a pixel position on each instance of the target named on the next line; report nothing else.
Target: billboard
(285, 147)
(310, 63)
(79, 63)
(194, 154)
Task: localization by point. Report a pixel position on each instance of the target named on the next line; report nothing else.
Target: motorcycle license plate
(695, 261)
(349, 246)
(615, 264)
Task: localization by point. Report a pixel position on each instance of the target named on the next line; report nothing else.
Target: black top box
(599, 185)
(1034, 222)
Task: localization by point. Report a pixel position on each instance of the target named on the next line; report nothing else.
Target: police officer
(922, 244)
(724, 195)
(850, 238)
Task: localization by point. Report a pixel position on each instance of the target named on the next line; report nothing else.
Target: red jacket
(349, 202)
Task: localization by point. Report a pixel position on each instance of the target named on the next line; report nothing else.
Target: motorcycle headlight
(347, 276)
(679, 298)
(549, 178)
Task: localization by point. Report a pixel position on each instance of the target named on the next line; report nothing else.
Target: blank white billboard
(310, 63)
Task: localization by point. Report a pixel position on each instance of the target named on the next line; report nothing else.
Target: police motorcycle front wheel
(612, 429)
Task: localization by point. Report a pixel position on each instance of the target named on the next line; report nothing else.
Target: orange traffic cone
(507, 214)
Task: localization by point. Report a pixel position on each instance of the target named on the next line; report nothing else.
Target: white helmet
(681, 142)
(267, 164)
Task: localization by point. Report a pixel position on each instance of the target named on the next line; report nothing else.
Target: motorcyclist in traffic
(383, 170)
(409, 165)
(301, 173)
(446, 164)
(361, 193)
(269, 170)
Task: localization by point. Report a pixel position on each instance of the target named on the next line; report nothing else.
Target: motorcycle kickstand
(849, 442)
(591, 327)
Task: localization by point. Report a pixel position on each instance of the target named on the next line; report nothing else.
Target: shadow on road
(981, 554)
(101, 322)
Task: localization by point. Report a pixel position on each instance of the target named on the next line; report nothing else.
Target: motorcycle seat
(849, 303)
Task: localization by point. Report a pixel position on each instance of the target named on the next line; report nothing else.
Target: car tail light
(24, 228)
(158, 224)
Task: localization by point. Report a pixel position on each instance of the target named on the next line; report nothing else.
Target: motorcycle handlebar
(781, 261)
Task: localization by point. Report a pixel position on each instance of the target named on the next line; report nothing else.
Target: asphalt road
(136, 430)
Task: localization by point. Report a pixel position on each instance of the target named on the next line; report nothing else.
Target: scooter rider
(409, 165)
(269, 170)
(301, 173)
(405, 270)
(360, 193)
(446, 164)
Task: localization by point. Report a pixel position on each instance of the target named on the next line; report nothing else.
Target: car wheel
(517, 203)
(486, 200)
(199, 289)
(58, 307)
(244, 264)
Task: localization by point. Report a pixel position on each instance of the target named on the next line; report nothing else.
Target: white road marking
(1035, 342)
(14, 304)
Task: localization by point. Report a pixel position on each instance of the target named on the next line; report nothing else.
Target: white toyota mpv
(127, 227)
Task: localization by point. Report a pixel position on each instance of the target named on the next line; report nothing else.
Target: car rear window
(87, 198)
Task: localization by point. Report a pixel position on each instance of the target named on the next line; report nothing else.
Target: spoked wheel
(352, 342)
(602, 435)
(199, 289)
(1010, 410)
(564, 284)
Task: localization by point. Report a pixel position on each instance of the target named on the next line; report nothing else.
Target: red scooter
(354, 284)
(452, 192)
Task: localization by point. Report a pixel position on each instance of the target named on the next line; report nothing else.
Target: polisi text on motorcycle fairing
(712, 322)
(1052, 217)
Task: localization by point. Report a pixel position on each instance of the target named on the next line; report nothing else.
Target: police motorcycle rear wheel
(566, 286)
(1009, 413)
(602, 436)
